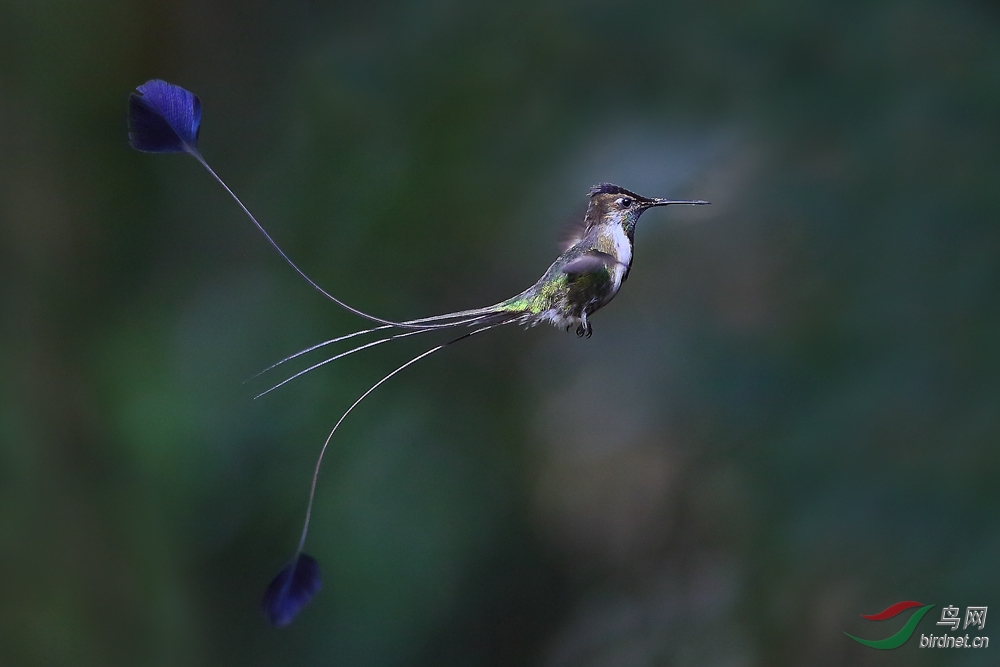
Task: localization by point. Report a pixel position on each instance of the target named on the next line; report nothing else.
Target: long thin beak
(664, 202)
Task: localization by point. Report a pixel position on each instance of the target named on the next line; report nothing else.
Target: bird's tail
(505, 311)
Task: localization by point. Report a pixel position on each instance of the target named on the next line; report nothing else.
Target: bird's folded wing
(589, 262)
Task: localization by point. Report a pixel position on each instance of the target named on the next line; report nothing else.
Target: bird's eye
(624, 202)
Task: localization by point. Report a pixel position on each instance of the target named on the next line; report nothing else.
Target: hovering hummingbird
(594, 264)
(585, 277)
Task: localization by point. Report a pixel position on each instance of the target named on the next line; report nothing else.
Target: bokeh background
(789, 416)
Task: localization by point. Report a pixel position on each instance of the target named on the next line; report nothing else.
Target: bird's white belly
(623, 248)
(623, 251)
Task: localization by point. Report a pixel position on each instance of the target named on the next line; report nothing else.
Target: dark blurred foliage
(788, 418)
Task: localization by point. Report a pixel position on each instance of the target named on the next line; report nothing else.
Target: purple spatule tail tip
(291, 590)
(163, 118)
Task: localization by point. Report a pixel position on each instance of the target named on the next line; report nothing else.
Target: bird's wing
(573, 231)
(588, 262)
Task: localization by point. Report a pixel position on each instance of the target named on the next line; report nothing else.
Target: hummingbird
(590, 271)
(594, 264)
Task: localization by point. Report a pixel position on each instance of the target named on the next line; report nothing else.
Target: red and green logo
(904, 633)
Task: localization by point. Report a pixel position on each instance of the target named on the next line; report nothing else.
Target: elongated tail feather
(164, 118)
(473, 317)
(291, 590)
(488, 318)
(293, 587)
(317, 346)
(458, 318)
(341, 356)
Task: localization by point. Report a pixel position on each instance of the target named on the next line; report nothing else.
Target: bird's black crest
(611, 189)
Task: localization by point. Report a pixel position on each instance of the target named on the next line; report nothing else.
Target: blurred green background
(788, 418)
